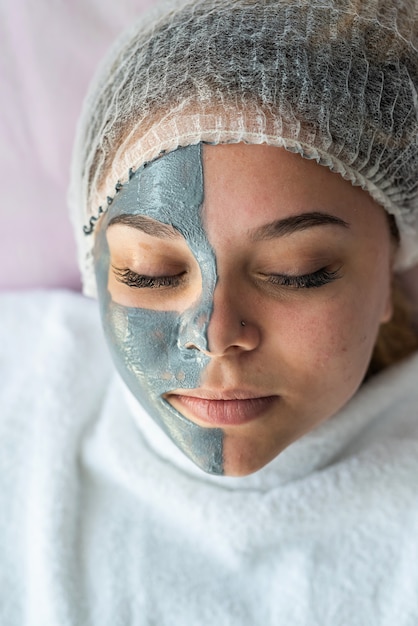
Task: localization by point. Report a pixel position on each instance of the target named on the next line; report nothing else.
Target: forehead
(235, 187)
(168, 190)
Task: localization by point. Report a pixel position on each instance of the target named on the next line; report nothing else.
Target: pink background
(48, 52)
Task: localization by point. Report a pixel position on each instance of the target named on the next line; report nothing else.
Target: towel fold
(104, 522)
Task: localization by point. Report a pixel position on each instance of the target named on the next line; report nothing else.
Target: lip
(230, 408)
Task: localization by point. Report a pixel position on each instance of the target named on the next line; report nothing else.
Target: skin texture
(306, 342)
(149, 330)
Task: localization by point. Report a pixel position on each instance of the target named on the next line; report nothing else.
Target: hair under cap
(333, 80)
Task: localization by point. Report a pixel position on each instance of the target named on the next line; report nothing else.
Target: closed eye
(142, 281)
(319, 278)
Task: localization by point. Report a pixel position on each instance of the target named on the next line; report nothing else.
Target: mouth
(227, 409)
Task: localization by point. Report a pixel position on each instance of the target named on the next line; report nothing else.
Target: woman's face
(242, 288)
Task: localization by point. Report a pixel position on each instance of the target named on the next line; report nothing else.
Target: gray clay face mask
(149, 347)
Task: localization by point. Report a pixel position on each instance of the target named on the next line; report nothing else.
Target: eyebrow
(296, 223)
(146, 225)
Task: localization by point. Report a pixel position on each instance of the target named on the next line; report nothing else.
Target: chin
(241, 463)
(239, 470)
(245, 454)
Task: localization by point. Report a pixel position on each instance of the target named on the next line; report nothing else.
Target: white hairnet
(334, 80)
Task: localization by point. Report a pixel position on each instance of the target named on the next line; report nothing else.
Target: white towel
(104, 522)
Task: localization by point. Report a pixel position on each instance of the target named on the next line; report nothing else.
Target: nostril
(192, 331)
(190, 352)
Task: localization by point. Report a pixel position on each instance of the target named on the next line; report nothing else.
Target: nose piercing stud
(242, 323)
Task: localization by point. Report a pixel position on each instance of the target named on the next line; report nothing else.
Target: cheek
(331, 341)
(338, 339)
(145, 348)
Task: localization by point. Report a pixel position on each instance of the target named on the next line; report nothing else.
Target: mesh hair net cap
(334, 80)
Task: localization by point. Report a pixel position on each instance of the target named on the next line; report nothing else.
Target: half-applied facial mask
(158, 351)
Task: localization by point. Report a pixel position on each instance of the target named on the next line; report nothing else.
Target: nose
(232, 327)
(226, 327)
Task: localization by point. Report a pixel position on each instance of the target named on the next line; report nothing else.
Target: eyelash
(140, 281)
(306, 281)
